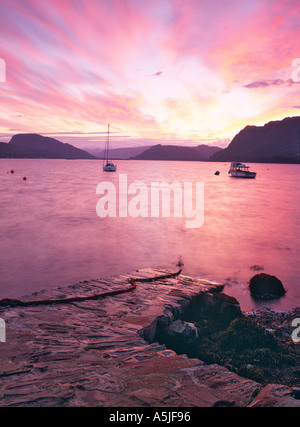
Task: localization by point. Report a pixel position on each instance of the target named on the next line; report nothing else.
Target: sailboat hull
(109, 168)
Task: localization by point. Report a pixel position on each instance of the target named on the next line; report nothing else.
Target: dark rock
(184, 330)
(216, 308)
(296, 393)
(229, 307)
(266, 286)
(221, 308)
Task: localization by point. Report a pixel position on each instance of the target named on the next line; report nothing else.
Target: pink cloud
(74, 64)
(251, 37)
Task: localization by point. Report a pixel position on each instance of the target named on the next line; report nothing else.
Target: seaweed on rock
(230, 338)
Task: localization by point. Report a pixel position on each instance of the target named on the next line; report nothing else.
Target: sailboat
(108, 166)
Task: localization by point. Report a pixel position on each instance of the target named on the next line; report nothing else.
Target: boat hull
(109, 168)
(241, 174)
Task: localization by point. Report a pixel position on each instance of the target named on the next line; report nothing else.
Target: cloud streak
(268, 83)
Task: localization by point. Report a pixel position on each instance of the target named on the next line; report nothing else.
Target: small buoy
(24, 178)
(217, 173)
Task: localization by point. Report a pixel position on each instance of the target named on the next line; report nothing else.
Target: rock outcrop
(183, 330)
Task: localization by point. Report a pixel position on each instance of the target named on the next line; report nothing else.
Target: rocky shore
(256, 345)
(104, 351)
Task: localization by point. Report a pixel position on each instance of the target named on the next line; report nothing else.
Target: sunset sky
(160, 71)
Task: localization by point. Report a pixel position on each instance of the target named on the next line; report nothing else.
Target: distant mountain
(38, 146)
(275, 142)
(207, 150)
(119, 153)
(175, 152)
(12, 151)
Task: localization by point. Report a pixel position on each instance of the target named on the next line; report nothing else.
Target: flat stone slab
(101, 352)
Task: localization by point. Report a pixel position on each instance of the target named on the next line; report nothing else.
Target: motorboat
(239, 170)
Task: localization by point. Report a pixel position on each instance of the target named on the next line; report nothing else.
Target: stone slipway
(101, 352)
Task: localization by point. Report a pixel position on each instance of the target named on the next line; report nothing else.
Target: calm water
(51, 235)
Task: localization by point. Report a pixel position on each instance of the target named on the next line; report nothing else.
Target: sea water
(51, 235)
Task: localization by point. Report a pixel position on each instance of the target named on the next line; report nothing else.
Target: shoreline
(101, 352)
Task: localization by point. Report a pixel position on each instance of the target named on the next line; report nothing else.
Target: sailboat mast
(108, 166)
(105, 157)
(107, 144)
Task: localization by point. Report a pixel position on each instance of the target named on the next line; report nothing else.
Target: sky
(181, 72)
